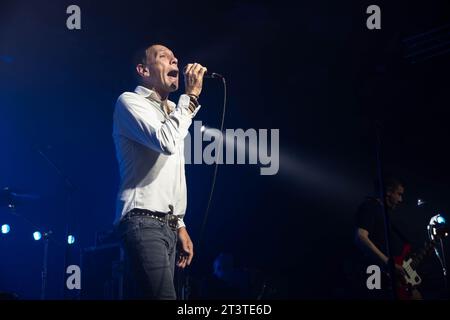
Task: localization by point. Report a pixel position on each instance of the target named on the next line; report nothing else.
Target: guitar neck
(425, 251)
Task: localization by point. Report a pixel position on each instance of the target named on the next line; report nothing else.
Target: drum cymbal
(10, 197)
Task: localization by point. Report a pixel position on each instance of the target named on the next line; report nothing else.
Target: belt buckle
(172, 221)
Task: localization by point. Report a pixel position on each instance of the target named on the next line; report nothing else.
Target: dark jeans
(150, 246)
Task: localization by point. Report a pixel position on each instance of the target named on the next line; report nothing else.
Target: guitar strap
(399, 234)
(393, 227)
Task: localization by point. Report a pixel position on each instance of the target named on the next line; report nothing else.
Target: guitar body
(406, 284)
(404, 288)
(411, 279)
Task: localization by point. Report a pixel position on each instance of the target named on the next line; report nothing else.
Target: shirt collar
(152, 95)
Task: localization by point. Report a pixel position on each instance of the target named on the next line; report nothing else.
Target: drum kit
(11, 199)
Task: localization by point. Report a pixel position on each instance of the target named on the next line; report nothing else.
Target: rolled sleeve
(137, 120)
(183, 105)
(181, 223)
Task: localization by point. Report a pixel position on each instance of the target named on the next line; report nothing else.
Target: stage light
(420, 202)
(5, 228)
(437, 220)
(37, 235)
(440, 219)
(437, 225)
(70, 239)
(202, 129)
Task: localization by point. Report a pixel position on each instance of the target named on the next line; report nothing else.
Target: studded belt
(168, 218)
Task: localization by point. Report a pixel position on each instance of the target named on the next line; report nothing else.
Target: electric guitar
(410, 262)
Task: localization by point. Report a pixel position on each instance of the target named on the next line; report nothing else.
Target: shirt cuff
(180, 224)
(183, 105)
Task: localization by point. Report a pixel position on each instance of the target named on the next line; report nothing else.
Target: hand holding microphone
(193, 78)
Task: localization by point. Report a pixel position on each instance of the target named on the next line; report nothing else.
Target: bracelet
(193, 96)
(193, 102)
(191, 107)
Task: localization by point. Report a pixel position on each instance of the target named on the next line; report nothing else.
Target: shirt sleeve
(365, 217)
(139, 122)
(180, 223)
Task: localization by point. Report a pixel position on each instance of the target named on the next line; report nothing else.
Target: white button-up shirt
(150, 152)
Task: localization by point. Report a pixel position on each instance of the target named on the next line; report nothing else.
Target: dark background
(312, 70)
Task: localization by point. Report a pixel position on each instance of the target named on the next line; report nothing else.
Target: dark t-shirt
(370, 217)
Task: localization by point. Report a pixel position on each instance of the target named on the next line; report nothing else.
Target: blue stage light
(70, 239)
(440, 219)
(37, 235)
(5, 228)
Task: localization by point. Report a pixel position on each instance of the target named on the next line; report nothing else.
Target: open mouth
(173, 74)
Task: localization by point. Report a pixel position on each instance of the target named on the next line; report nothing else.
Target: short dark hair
(140, 56)
(390, 183)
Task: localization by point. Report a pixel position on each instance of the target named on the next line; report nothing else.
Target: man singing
(149, 132)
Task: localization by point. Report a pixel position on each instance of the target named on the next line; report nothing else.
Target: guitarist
(370, 231)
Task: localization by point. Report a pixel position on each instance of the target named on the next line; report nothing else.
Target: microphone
(209, 75)
(212, 75)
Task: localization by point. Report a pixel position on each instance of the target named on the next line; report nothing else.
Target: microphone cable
(183, 280)
(206, 214)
